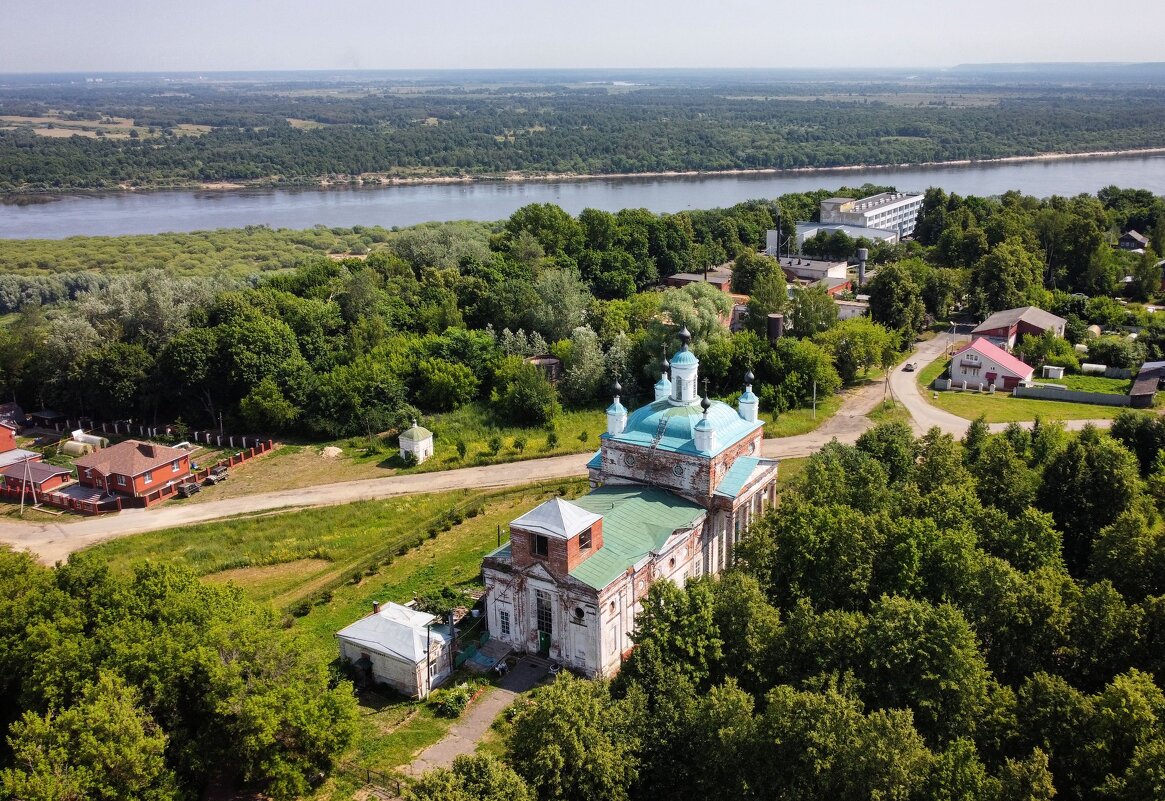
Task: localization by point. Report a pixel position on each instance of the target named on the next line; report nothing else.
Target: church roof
(395, 631)
(636, 521)
(416, 433)
(675, 427)
(556, 518)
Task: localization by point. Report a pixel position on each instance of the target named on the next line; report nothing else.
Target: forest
(400, 324)
(295, 132)
(921, 619)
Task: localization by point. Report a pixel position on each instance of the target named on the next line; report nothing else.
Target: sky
(214, 35)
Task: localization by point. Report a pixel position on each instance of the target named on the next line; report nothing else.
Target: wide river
(154, 212)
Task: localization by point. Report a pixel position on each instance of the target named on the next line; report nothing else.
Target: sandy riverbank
(382, 179)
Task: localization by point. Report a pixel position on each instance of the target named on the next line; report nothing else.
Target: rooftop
(35, 471)
(130, 458)
(556, 518)
(1031, 315)
(997, 355)
(395, 631)
(670, 428)
(17, 455)
(636, 521)
(883, 199)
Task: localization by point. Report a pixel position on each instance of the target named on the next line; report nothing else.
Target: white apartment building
(893, 211)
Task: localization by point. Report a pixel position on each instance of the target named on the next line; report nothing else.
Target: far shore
(384, 180)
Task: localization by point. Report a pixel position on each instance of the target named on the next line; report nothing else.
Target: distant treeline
(554, 129)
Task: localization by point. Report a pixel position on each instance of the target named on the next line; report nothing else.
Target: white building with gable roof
(404, 648)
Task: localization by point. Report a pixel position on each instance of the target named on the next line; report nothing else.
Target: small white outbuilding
(416, 442)
(407, 649)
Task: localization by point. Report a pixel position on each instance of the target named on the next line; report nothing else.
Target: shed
(47, 418)
(416, 442)
(401, 647)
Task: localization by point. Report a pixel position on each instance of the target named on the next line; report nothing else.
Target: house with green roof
(674, 485)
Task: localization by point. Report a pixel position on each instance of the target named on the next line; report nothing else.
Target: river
(188, 210)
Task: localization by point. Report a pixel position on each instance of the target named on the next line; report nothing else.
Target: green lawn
(1092, 383)
(800, 421)
(889, 411)
(1002, 407)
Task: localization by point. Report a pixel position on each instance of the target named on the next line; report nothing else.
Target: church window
(584, 540)
(541, 545)
(504, 622)
(543, 612)
(678, 471)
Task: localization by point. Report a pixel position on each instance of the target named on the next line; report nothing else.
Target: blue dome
(684, 357)
(747, 397)
(675, 426)
(663, 383)
(616, 408)
(704, 425)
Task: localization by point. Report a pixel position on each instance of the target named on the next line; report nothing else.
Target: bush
(552, 439)
(450, 703)
(519, 444)
(584, 436)
(462, 449)
(495, 445)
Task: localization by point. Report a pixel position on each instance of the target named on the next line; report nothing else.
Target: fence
(1045, 392)
(63, 501)
(170, 490)
(389, 786)
(215, 438)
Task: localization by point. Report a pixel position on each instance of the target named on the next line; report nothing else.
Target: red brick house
(1004, 327)
(33, 476)
(134, 468)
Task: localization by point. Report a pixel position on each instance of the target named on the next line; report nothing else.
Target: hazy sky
(167, 35)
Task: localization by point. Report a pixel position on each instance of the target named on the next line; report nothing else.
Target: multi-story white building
(674, 485)
(891, 211)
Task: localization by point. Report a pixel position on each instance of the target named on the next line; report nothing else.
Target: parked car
(909, 368)
(217, 474)
(188, 489)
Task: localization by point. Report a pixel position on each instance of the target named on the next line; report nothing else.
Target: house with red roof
(33, 476)
(981, 363)
(137, 469)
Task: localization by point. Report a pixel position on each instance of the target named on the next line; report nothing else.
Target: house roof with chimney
(130, 458)
(396, 630)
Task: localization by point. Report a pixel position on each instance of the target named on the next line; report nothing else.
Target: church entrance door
(545, 621)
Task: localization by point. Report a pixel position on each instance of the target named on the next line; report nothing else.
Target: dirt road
(55, 541)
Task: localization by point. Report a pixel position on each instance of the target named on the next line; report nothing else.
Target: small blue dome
(684, 357)
(663, 383)
(747, 397)
(616, 408)
(704, 425)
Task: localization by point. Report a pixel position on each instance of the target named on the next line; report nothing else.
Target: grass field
(1092, 383)
(328, 565)
(800, 421)
(1002, 407)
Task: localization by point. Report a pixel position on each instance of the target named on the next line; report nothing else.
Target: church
(673, 486)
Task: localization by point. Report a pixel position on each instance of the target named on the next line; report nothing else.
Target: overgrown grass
(576, 431)
(889, 411)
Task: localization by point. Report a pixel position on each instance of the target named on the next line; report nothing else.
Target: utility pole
(815, 399)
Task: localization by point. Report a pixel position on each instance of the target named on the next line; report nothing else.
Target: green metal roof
(734, 479)
(636, 520)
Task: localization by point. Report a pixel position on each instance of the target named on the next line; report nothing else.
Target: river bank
(373, 180)
(425, 200)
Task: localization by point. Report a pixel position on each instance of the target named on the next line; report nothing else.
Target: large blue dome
(684, 357)
(674, 426)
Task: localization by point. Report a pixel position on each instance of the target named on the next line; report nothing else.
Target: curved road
(55, 541)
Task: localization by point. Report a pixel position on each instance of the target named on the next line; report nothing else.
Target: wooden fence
(122, 427)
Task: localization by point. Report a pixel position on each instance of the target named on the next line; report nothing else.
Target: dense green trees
(884, 633)
(668, 123)
(151, 686)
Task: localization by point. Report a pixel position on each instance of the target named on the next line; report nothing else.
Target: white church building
(674, 485)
